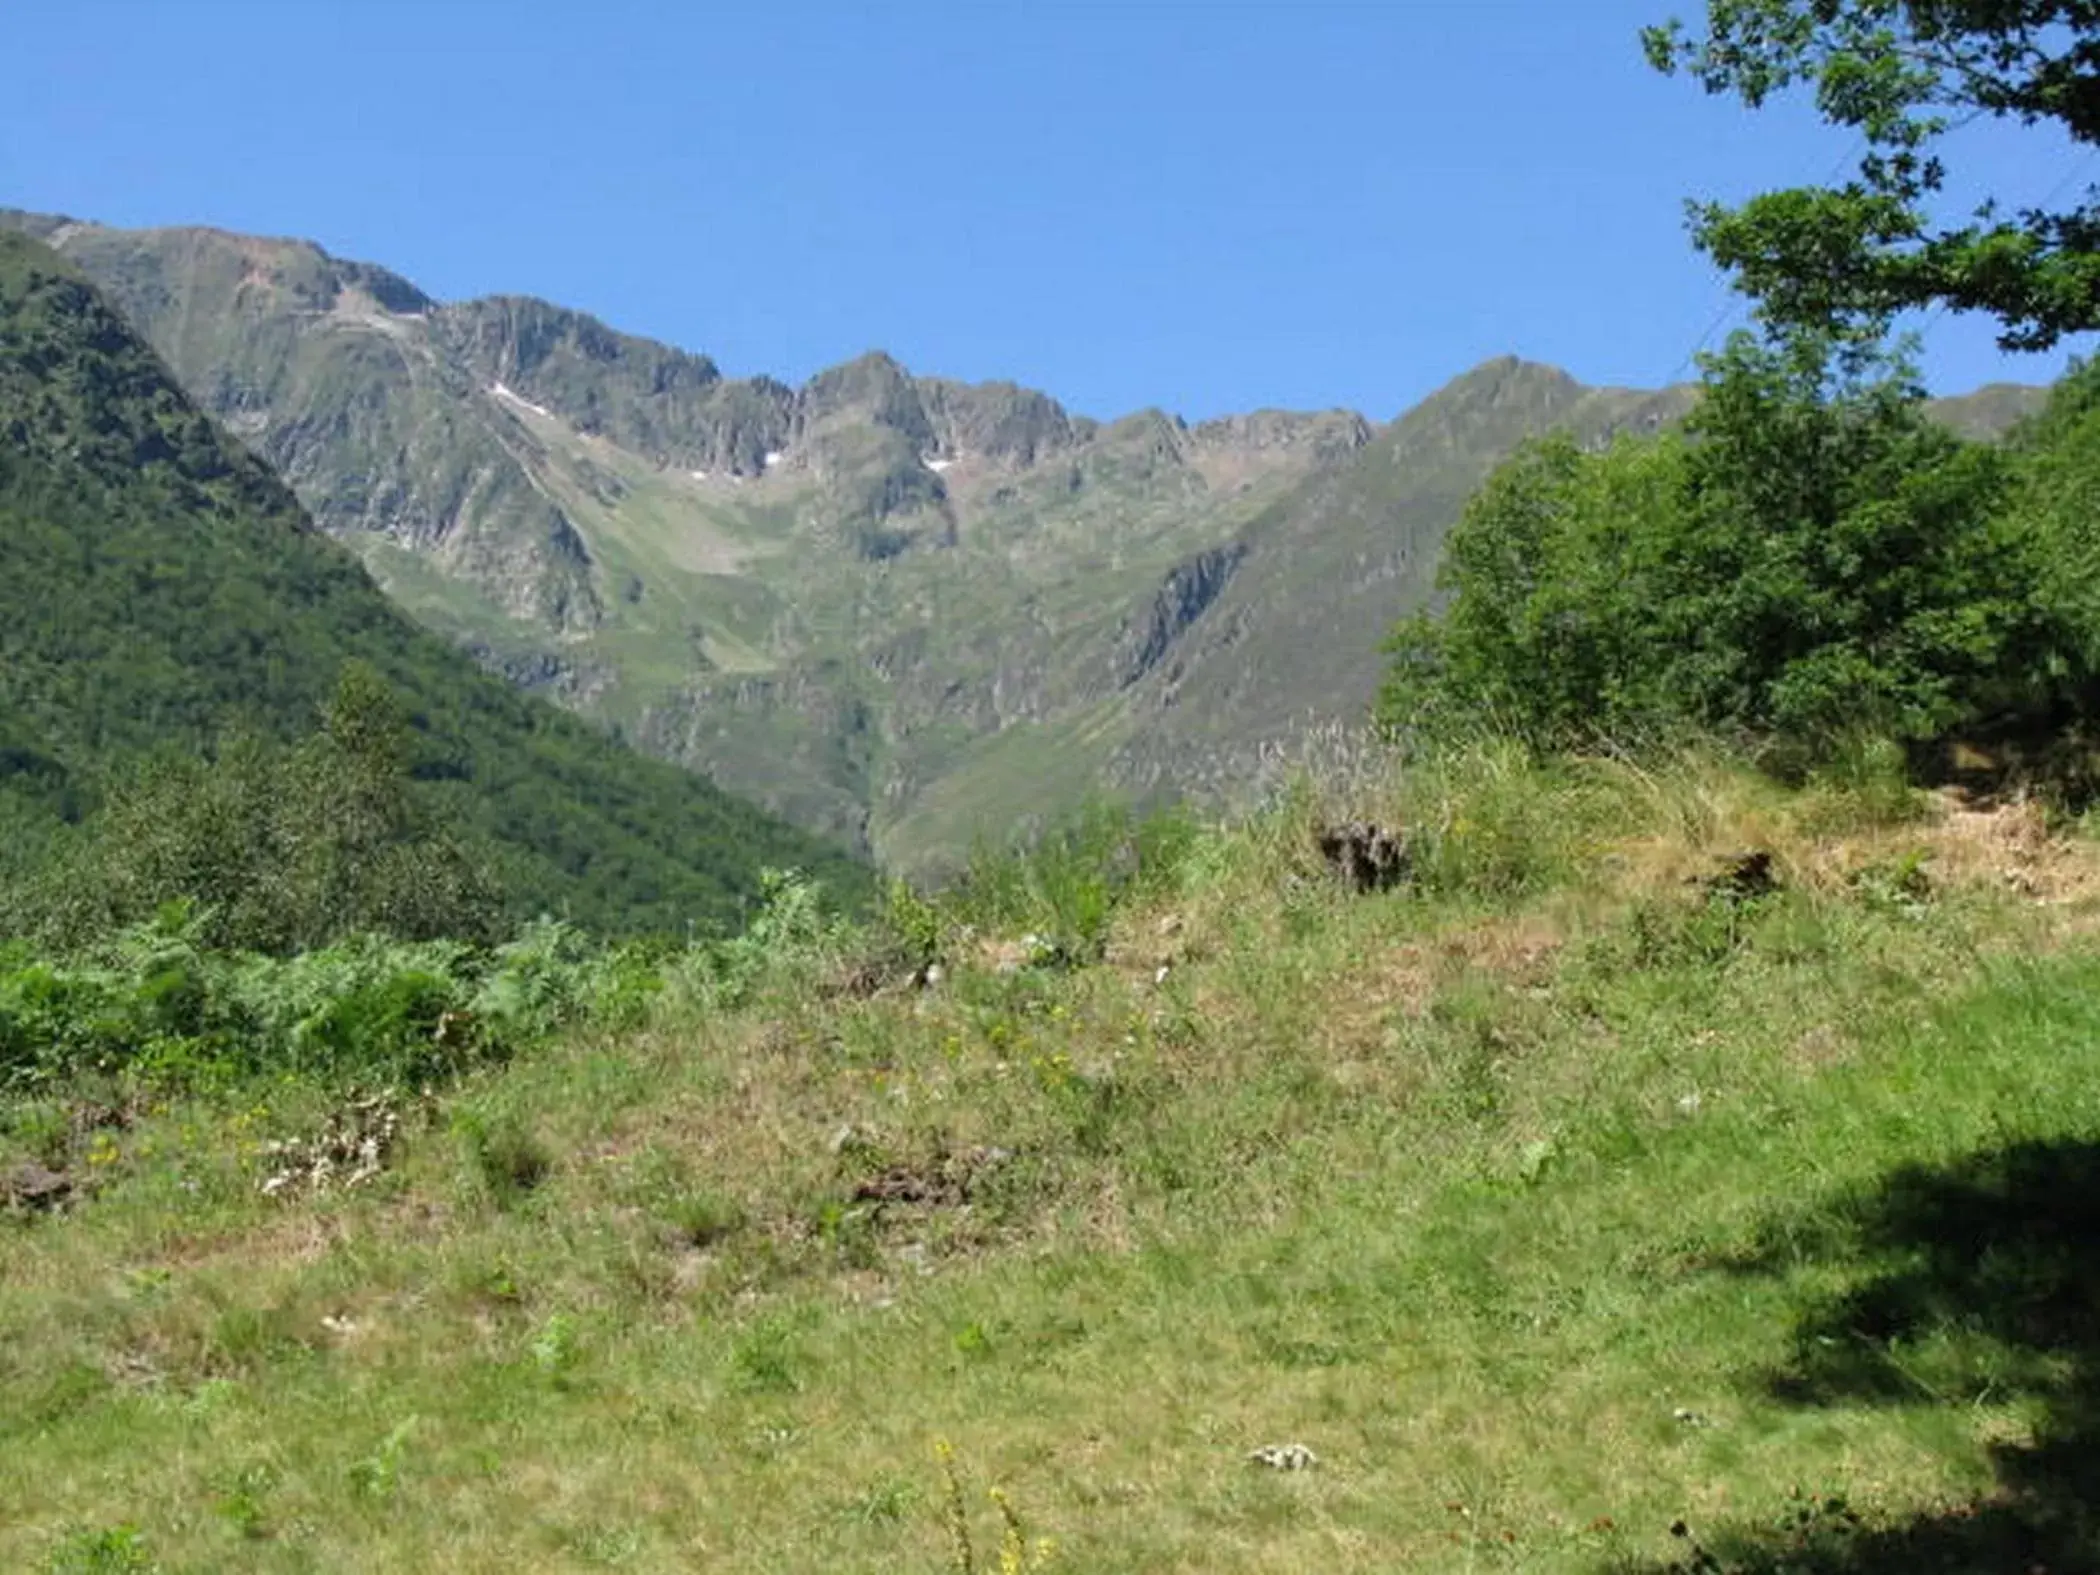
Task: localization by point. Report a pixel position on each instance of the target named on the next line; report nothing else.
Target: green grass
(1550, 1202)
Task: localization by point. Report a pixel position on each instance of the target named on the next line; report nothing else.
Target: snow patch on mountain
(511, 397)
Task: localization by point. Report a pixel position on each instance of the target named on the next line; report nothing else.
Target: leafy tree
(1902, 73)
(367, 850)
(1811, 557)
(2055, 503)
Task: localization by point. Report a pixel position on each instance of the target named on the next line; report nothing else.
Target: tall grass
(1067, 884)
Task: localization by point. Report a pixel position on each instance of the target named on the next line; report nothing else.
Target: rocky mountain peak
(669, 404)
(1001, 422)
(872, 389)
(1322, 434)
(1504, 380)
(525, 340)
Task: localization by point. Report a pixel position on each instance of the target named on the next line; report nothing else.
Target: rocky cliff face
(1185, 595)
(667, 406)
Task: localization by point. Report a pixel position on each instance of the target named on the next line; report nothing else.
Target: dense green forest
(164, 594)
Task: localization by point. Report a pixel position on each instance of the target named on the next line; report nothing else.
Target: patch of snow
(697, 475)
(773, 457)
(938, 465)
(510, 396)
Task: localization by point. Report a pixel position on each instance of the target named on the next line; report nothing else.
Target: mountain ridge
(901, 610)
(405, 298)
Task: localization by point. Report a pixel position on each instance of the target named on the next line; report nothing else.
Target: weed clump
(113, 1550)
(504, 1157)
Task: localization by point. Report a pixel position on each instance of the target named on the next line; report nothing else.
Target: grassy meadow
(1576, 1205)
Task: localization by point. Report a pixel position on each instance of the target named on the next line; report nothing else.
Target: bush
(791, 933)
(158, 1003)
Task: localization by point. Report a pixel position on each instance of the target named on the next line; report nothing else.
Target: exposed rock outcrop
(1186, 593)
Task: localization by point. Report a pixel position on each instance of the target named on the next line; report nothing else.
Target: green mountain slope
(899, 610)
(157, 584)
(1290, 638)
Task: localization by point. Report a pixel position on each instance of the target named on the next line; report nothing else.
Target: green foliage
(1491, 821)
(913, 926)
(115, 1550)
(388, 1023)
(1863, 783)
(1902, 73)
(701, 1219)
(377, 1477)
(2057, 500)
(505, 1157)
(1810, 560)
(158, 1002)
(554, 1348)
(789, 934)
(553, 973)
(242, 1504)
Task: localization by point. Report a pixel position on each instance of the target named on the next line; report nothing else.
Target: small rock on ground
(1284, 1457)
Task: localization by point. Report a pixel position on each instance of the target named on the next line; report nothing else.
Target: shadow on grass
(1985, 1287)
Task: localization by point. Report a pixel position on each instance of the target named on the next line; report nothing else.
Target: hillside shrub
(157, 1002)
(162, 1002)
(788, 936)
(1811, 559)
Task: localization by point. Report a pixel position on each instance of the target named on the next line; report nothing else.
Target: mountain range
(901, 611)
(161, 588)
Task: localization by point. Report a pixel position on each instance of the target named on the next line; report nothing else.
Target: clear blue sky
(1208, 207)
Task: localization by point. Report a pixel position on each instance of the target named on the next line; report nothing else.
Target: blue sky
(1208, 207)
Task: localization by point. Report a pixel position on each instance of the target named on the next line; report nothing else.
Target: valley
(903, 612)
